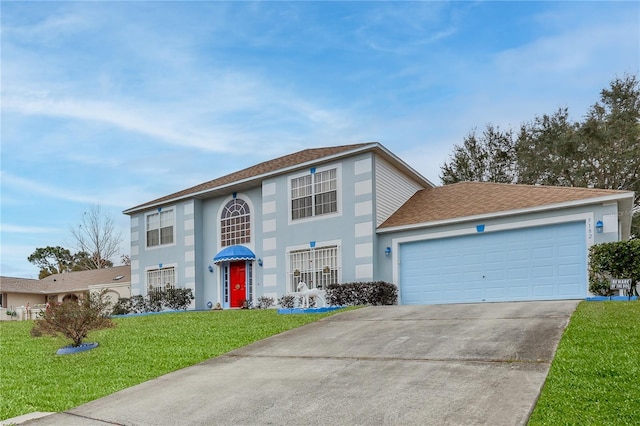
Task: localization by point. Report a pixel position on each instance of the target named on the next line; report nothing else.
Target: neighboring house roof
(472, 199)
(66, 282)
(21, 285)
(284, 164)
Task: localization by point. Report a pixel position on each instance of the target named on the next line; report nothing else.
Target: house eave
(619, 198)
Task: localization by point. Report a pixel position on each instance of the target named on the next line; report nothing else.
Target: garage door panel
(516, 254)
(541, 272)
(567, 289)
(543, 291)
(541, 263)
(543, 253)
(518, 292)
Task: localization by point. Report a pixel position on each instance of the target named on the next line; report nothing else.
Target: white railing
(21, 313)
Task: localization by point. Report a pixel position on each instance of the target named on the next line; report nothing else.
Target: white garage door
(540, 263)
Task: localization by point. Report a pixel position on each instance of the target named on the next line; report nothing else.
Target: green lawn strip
(34, 378)
(595, 376)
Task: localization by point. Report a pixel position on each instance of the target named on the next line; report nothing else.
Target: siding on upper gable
(392, 188)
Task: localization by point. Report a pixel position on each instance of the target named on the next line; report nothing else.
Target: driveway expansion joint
(93, 419)
(455, 318)
(387, 359)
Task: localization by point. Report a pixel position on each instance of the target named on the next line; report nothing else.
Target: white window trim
(175, 221)
(338, 167)
(252, 216)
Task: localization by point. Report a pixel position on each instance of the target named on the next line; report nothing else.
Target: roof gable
(468, 199)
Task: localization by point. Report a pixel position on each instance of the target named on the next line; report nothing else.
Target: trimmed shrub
(287, 301)
(177, 299)
(174, 299)
(362, 293)
(265, 302)
(613, 260)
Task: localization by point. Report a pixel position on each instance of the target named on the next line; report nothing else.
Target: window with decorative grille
(317, 267)
(160, 279)
(235, 223)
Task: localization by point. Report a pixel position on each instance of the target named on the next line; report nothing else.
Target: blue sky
(117, 103)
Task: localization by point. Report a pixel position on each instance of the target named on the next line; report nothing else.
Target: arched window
(235, 223)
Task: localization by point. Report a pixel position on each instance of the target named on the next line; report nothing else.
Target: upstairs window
(314, 194)
(235, 223)
(160, 227)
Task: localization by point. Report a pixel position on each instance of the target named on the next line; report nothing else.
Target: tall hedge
(613, 260)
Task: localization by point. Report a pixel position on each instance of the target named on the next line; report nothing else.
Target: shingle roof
(67, 282)
(23, 285)
(271, 166)
(466, 199)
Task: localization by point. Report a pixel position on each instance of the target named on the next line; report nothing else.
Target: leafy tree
(52, 260)
(602, 151)
(57, 260)
(85, 262)
(97, 235)
(489, 157)
(74, 319)
(548, 153)
(612, 133)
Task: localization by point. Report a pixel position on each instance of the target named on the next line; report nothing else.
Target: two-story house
(359, 213)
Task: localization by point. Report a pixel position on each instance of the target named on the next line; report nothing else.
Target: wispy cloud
(19, 229)
(42, 189)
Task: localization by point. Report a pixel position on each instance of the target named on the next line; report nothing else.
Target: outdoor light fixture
(387, 251)
(599, 227)
(259, 261)
(210, 268)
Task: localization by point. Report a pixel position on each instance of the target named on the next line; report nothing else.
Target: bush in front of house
(177, 299)
(288, 301)
(174, 299)
(620, 259)
(265, 302)
(362, 293)
(74, 319)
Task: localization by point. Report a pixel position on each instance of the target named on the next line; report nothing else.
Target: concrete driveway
(466, 364)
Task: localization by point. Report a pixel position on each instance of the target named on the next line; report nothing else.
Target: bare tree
(97, 236)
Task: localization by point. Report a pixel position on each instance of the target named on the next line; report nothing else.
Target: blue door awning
(232, 253)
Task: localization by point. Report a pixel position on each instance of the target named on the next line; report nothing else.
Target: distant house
(18, 293)
(360, 213)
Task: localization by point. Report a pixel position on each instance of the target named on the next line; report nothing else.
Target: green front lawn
(34, 378)
(595, 376)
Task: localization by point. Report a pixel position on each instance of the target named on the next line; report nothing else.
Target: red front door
(237, 284)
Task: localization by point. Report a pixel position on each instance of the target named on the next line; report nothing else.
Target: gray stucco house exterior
(359, 213)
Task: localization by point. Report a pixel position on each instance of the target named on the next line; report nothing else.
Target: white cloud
(121, 116)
